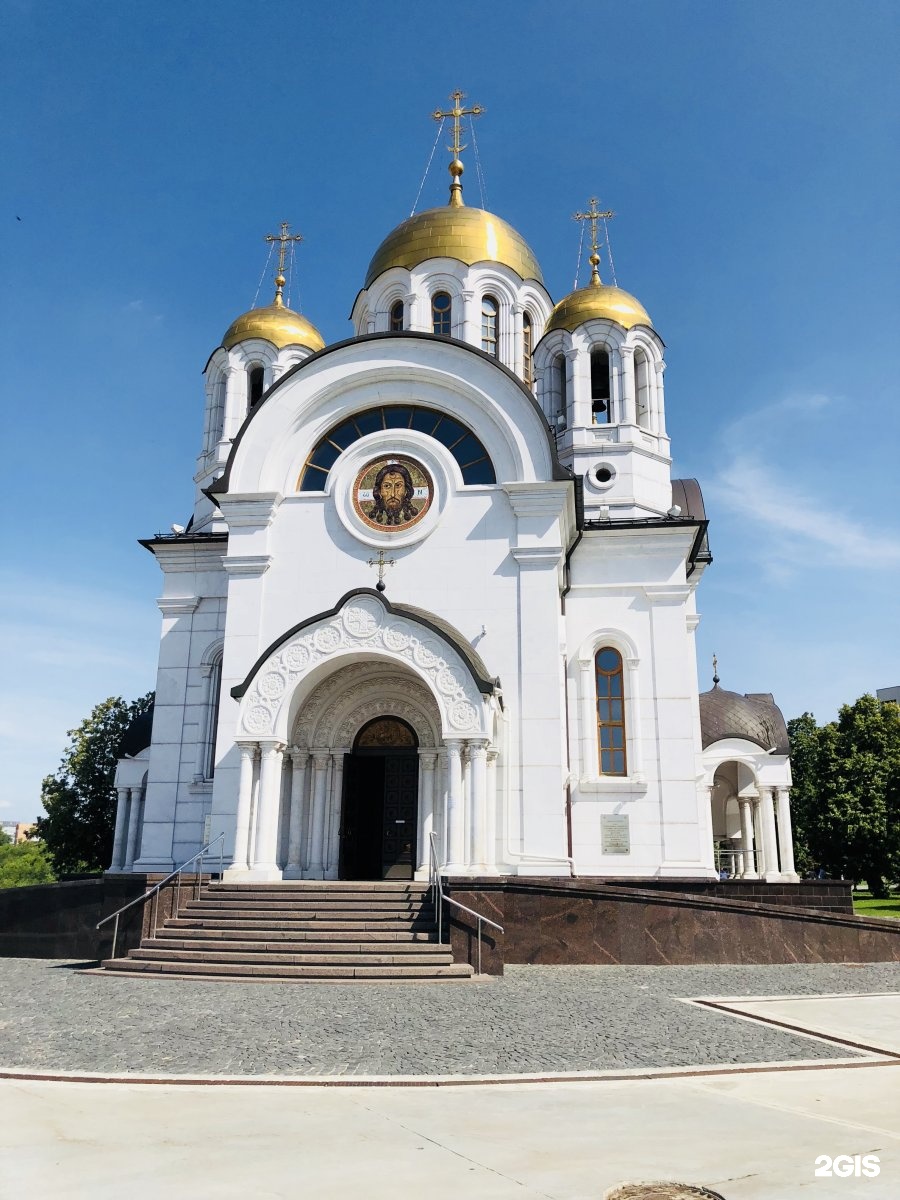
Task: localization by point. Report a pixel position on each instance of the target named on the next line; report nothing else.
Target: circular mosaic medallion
(392, 492)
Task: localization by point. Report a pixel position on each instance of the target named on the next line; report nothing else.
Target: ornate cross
(283, 239)
(381, 562)
(715, 670)
(594, 215)
(456, 112)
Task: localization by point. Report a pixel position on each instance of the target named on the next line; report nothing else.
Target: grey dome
(755, 717)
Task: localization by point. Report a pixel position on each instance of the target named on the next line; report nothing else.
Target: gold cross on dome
(284, 239)
(594, 215)
(380, 562)
(456, 112)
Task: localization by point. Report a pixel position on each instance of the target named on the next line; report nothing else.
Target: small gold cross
(594, 215)
(381, 562)
(456, 112)
(284, 238)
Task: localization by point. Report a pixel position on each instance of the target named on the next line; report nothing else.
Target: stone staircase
(304, 930)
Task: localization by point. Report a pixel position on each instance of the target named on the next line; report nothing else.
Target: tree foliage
(846, 794)
(80, 798)
(23, 864)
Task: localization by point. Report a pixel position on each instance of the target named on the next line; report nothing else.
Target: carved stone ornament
(364, 626)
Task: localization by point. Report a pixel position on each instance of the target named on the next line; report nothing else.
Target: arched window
(256, 377)
(610, 711)
(213, 670)
(600, 405)
(440, 313)
(474, 462)
(642, 388)
(489, 313)
(559, 392)
(527, 351)
(396, 321)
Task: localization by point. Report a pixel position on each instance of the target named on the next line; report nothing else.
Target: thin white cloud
(804, 525)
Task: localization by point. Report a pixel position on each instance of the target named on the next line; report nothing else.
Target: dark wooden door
(401, 794)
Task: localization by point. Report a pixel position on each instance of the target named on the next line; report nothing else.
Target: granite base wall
(58, 920)
(828, 895)
(576, 921)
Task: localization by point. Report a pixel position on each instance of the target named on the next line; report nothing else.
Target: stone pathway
(533, 1019)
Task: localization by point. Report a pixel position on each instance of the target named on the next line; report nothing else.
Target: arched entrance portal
(379, 804)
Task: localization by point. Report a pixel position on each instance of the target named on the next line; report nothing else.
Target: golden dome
(598, 301)
(276, 324)
(470, 235)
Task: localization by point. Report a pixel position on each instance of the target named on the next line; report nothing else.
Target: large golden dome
(598, 301)
(470, 235)
(276, 324)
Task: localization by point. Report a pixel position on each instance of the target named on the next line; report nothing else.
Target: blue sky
(749, 150)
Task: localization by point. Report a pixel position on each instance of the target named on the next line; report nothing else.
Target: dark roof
(137, 736)
(755, 717)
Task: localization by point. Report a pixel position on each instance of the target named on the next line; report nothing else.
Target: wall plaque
(615, 837)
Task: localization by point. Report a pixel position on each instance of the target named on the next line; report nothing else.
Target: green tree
(846, 795)
(23, 864)
(80, 798)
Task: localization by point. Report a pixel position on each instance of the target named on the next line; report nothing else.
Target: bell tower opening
(380, 802)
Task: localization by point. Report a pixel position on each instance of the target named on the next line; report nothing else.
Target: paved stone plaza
(54, 1017)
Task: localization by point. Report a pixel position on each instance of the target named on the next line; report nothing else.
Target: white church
(439, 590)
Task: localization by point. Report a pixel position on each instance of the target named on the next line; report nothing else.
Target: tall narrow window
(610, 711)
(489, 312)
(642, 388)
(527, 351)
(440, 313)
(396, 321)
(560, 393)
(255, 381)
(214, 687)
(600, 405)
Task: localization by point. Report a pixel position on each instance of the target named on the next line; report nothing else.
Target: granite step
(263, 906)
(287, 971)
(263, 946)
(342, 958)
(328, 887)
(311, 921)
(175, 932)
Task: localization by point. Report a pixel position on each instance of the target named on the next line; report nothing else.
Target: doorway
(379, 807)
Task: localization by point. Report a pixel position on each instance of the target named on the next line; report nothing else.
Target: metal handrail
(439, 899)
(154, 891)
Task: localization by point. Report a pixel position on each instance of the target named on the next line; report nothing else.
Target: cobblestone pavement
(532, 1019)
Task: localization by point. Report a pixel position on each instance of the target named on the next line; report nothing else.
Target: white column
(265, 850)
(456, 834)
(478, 803)
(629, 403)
(441, 806)
(769, 837)
(134, 824)
(786, 833)
(427, 761)
(659, 407)
(633, 738)
(299, 760)
(119, 835)
(235, 401)
(321, 759)
(245, 796)
(334, 815)
(490, 850)
(517, 354)
(590, 761)
(745, 807)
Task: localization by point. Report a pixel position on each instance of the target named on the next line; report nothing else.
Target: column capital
(428, 759)
(299, 754)
(453, 746)
(477, 747)
(492, 756)
(626, 351)
(585, 664)
(271, 749)
(321, 758)
(248, 748)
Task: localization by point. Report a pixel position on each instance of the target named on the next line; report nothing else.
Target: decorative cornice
(247, 564)
(253, 511)
(177, 606)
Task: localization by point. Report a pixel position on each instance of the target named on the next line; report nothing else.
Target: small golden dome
(470, 235)
(276, 324)
(598, 301)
